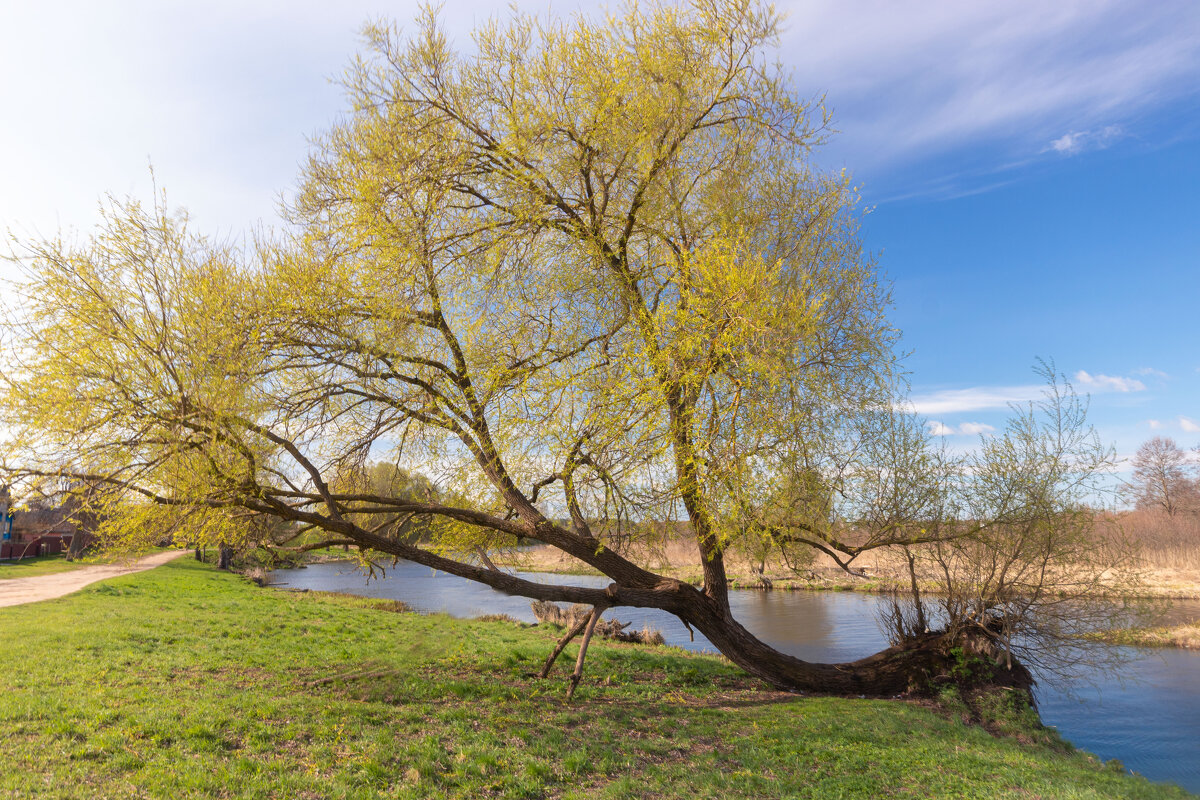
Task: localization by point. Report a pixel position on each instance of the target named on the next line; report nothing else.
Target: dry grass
(680, 559)
(1166, 541)
(1184, 636)
(1168, 547)
(1168, 550)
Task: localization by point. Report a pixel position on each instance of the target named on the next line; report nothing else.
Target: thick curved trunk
(914, 668)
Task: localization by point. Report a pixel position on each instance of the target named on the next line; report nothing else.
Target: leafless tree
(1162, 478)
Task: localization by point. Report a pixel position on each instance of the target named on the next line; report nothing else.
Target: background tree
(586, 277)
(1161, 478)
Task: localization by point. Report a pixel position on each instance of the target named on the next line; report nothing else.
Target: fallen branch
(583, 646)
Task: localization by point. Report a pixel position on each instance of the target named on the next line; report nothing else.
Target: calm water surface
(1152, 723)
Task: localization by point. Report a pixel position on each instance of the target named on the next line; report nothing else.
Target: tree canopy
(585, 276)
(1161, 478)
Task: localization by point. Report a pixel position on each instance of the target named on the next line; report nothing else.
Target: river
(1151, 723)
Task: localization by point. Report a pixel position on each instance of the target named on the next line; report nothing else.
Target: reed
(1166, 541)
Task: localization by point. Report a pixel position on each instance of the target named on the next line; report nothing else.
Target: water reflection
(1152, 723)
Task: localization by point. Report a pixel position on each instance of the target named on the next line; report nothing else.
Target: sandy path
(16, 591)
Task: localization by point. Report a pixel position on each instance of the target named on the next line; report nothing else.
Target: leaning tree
(587, 275)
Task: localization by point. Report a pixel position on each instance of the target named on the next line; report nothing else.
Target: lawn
(184, 682)
(38, 565)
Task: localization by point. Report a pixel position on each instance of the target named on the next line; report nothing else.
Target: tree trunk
(224, 556)
(916, 667)
(76, 547)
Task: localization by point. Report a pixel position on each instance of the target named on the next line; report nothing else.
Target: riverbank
(1186, 636)
(680, 560)
(187, 682)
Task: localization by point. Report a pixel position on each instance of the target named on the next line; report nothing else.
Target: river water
(1151, 723)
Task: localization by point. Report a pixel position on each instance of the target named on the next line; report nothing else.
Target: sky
(1030, 170)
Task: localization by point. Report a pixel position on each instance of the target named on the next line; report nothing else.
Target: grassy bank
(1185, 636)
(184, 682)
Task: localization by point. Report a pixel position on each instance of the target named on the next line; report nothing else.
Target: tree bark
(914, 667)
(77, 546)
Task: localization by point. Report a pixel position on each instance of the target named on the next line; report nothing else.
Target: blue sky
(1032, 168)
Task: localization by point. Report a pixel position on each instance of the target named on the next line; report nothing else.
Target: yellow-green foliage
(586, 269)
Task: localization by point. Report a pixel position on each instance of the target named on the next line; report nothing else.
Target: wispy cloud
(1154, 424)
(1108, 383)
(1189, 425)
(980, 398)
(1068, 143)
(1076, 142)
(236, 85)
(954, 401)
(922, 79)
(936, 428)
(1151, 372)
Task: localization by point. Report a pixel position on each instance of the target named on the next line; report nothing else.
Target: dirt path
(46, 587)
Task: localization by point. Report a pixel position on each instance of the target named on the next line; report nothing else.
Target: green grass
(183, 682)
(39, 565)
(1186, 636)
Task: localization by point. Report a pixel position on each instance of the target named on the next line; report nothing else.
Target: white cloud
(222, 97)
(1068, 143)
(1075, 142)
(1189, 425)
(1108, 383)
(953, 401)
(1154, 424)
(1151, 371)
(938, 429)
(979, 398)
